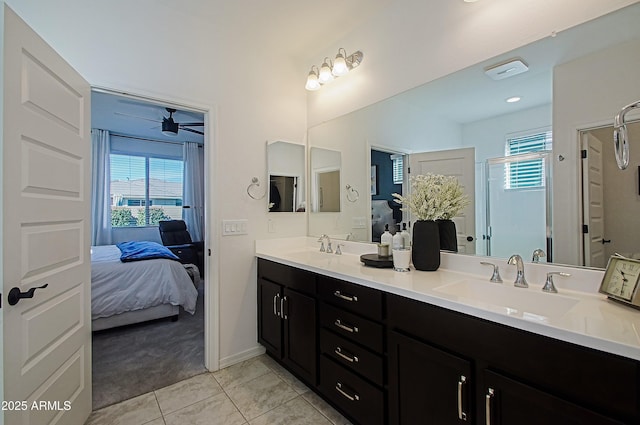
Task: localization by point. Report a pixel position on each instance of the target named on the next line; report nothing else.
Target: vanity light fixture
(330, 70)
(513, 99)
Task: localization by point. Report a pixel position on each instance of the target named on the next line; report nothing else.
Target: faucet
(328, 248)
(537, 254)
(520, 281)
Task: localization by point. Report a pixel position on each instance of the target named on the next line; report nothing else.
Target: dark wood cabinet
(287, 318)
(380, 358)
(427, 385)
(507, 401)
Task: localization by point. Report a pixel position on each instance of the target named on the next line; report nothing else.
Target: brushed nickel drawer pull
(487, 406)
(461, 414)
(354, 397)
(352, 329)
(350, 358)
(351, 298)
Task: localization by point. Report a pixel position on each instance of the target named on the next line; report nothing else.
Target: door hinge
(585, 228)
(209, 252)
(583, 152)
(408, 170)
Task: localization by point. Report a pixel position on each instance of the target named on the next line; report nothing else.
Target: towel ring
(352, 194)
(255, 183)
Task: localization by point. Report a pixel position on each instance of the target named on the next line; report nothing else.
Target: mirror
(325, 180)
(570, 86)
(285, 163)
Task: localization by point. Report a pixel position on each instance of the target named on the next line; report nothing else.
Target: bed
(124, 293)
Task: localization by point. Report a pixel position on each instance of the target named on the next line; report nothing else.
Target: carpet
(136, 359)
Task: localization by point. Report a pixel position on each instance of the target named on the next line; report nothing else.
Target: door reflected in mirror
(325, 180)
(286, 165)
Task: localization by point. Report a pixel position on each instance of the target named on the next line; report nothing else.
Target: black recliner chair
(176, 237)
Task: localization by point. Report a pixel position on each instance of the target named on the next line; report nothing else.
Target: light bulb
(339, 66)
(325, 73)
(312, 81)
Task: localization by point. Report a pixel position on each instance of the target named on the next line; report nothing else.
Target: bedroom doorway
(153, 171)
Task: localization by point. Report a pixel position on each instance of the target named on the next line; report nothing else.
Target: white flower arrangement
(433, 197)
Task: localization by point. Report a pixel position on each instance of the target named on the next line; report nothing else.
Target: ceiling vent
(506, 69)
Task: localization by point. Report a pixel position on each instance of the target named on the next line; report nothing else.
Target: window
(145, 190)
(526, 174)
(398, 168)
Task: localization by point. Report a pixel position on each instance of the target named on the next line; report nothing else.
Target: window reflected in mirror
(286, 164)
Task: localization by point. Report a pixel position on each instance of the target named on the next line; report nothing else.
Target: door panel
(459, 163)
(592, 199)
(46, 151)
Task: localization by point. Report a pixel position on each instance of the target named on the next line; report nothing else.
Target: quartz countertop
(577, 314)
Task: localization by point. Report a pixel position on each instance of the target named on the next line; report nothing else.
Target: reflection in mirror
(325, 180)
(286, 165)
(570, 86)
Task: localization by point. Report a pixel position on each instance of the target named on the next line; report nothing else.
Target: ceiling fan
(169, 126)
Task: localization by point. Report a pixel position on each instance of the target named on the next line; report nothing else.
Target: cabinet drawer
(356, 298)
(359, 399)
(352, 327)
(300, 280)
(352, 356)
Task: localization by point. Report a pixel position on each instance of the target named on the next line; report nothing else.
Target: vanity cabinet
(511, 376)
(352, 361)
(287, 325)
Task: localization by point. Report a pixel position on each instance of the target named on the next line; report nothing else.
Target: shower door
(518, 217)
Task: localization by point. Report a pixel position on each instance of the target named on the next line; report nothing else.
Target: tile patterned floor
(256, 392)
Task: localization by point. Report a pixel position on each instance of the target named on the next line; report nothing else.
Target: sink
(529, 303)
(312, 256)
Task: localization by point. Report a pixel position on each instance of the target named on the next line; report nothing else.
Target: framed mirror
(569, 88)
(287, 182)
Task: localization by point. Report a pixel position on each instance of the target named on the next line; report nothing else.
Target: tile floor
(256, 392)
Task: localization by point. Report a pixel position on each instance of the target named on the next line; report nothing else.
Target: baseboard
(242, 356)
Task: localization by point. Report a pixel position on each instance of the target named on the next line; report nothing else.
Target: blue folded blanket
(144, 250)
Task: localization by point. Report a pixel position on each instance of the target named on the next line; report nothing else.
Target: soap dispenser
(398, 240)
(387, 237)
(406, 236)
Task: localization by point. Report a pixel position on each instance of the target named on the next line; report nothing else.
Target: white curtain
(100, 186)
(193, 190)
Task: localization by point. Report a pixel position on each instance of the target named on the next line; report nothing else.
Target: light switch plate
(234, 227)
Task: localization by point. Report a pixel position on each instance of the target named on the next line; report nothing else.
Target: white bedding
(117, 287)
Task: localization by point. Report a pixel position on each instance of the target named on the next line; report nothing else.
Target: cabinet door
(300, 337)
(269, 321)
(511, 402)
(427, 385)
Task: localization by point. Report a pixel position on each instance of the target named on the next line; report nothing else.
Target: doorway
(149, 182)
(611, 197)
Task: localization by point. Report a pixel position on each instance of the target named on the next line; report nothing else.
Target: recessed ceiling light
(470, 1)
(513, 99)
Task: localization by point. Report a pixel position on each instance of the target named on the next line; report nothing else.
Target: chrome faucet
(520, 281)
(328, 248)
(537, 254)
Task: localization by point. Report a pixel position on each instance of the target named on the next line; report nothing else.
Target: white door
(592, 201)
(46, 208)
(459, 163)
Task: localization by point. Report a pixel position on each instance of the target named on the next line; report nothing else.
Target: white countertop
(578, 315)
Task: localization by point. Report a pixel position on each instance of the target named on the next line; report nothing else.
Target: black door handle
(16, 295)
(604, 241)
(469, 238)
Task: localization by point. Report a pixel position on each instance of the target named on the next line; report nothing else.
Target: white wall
(411, 42)
(214, 61)
(586, 92)
(1, 206)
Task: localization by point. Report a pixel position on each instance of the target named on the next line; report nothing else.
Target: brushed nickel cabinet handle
(350, 298)
(276, 297)
(282, 313)
(352, 329)
(354, 397)
(488, 398)
(461, 414)
(350, 358)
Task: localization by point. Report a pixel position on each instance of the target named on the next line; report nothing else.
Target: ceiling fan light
(169, 128)
(325, 72)
(340, 65)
